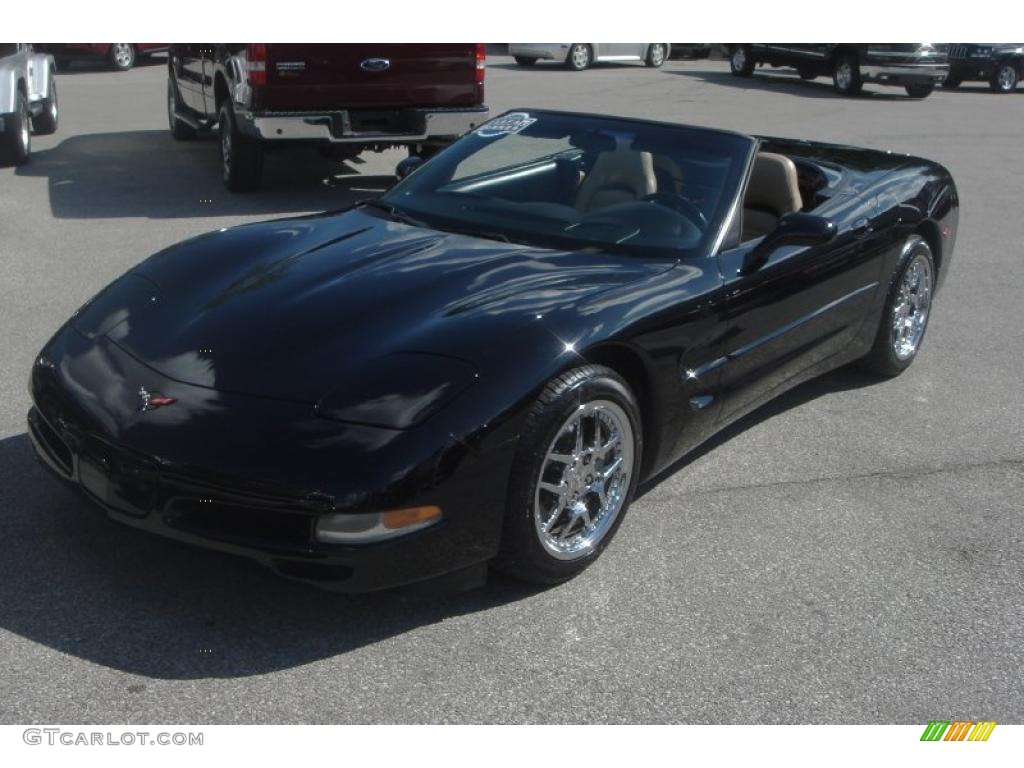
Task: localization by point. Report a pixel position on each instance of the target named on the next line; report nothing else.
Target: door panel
(803, 306)
(186, 63)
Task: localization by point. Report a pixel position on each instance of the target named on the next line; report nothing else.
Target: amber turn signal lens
(402, 518)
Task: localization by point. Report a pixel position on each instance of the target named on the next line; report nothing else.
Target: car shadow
(148, 174)
(791, 84)
(77, 582)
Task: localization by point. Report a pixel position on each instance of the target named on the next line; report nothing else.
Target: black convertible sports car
(479, 366)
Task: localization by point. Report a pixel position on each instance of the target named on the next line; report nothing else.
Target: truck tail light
(256, 63)
(481, 63)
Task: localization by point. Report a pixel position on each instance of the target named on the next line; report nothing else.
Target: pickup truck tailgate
(329, 76)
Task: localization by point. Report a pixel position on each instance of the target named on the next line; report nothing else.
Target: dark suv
(918, 67)
(1000, 64)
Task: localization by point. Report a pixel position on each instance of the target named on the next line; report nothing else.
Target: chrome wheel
(1007, 78)
(584, 480)
(579, 56)
(225, 149)
(844, 76)
(739, 59)
(910, 310)
(123, 54)
(657, 55)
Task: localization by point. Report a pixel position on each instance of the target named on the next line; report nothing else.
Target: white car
(579, 56)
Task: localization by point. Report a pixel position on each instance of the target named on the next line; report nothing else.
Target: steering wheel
(680, 205)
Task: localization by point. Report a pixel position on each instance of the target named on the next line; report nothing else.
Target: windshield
(577, 181)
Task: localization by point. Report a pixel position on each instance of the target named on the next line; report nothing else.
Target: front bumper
(904, 74)
(972, 69)
(556, 51)
(399, 126)
(200, 476)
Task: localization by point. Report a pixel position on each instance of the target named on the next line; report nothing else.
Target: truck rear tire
(846, 75)
(16, 140)
(241, 156)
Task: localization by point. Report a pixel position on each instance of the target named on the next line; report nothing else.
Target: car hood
(289, 309)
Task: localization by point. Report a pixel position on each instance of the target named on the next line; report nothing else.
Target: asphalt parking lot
(852, 553)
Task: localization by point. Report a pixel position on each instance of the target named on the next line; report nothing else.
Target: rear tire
(122, 56)
(888, 357)
(920, 91)
(1005, 78)
(580, 57)
(952, 82)
(656, 55)
(741, 61)
(524, 61)
(846, 75)
(241, 156)
(16, 140)
(550, 536)
(45, 122)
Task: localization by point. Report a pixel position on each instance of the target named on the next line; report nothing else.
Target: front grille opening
(52, 444)
(231, 522)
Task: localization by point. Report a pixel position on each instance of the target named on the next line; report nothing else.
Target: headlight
(981, 53)
(398, 391)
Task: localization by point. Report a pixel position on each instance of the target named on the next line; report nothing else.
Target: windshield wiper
(392, 211)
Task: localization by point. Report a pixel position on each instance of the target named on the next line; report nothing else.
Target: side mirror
(407, 166)
(793, 229)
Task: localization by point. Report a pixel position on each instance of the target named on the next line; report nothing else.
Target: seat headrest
(774, 186)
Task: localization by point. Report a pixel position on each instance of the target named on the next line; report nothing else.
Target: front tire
(241, 156)
(952, 82)
(920, 91)
(580, 57)
(906, 312)
(45, 122)
(122, 56)
(1005, 78)
(846, 75)
(741, 61)
(16, 140)
(655, 55)
(573, 477)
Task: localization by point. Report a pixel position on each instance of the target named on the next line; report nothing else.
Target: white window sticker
(513, 122)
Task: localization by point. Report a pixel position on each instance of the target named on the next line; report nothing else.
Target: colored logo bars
(958, 730)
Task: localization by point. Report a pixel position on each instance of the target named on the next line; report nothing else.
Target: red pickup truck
(345, 98)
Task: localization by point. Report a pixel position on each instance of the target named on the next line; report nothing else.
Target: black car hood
(291, 308)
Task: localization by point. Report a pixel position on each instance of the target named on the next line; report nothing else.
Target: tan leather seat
(773, 192)
(617, 177)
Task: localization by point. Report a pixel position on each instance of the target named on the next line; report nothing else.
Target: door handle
(861, 229)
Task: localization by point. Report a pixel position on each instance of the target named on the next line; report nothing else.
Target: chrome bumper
(341, 127)
(912, 72)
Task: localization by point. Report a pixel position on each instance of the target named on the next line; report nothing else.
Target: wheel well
(929, 230)
(220, 90)
(630, 366)
(841, 49)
